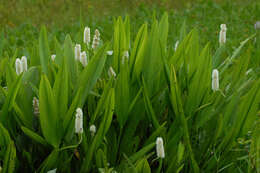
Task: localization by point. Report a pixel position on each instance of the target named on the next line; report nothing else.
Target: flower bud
(86, 38)
(83, 58)
(96, 39)
(77, 51)
(92, 129)
(176, 45)
(24, 63)
(52, 171)
(125, 57)
(257, 25)
(53, 57)
(222, 34)
(36, 110)
(18, 66)
(160, 148)
(111, 72)
(215, 80)
(79, 121)
(110, 52)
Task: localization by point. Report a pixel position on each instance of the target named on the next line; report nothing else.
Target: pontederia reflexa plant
(138, 105)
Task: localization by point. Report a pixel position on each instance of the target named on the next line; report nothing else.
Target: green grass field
(155, 86)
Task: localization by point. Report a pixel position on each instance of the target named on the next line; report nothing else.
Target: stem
(160, 166)
(72, 146)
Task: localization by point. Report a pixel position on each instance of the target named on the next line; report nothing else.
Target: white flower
(160, 148)
(257, 25)
(18, 66)
(79, 121)
(77, 51)
(24, 63)
(215, 80)
(125, 57)
(92, 129)
(86, 38)
(36, 106)
(53, 57)
(110, 52)
(83, 58)
(111, 72)
(222, 34)
(176, 45)
(96, 39)
(52, 171)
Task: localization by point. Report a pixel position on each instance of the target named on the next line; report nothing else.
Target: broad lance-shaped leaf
(176, 103)
(61, 89)
(44, 50)
(91, 73)
(9, 159)
(10, 99)
(49, 119)
(34, 136)
(103, 128)
(122, 95)
(138, 48)
(71, 62)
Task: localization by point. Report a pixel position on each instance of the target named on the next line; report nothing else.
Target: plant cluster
(133, 104)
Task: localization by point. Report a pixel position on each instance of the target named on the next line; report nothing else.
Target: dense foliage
(146, 88)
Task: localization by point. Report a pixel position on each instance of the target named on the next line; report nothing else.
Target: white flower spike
(77, 51)
(176, 45)
(36, 110)
(111, 72)
(53, 57)
(110, 52)
(24, 63)
(86, 38)
(96, 39)
(160, 148)
(92, 129)
(222, 34)
(52, 171)
(257, 25)
(79, 121)
(18, 66)
(215, 80)
(83, 58)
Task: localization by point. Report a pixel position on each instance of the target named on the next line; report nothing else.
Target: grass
(157, 91)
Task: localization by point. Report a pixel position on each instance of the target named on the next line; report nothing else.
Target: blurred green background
(20, 20)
